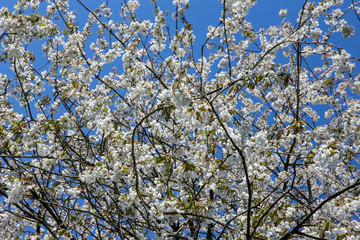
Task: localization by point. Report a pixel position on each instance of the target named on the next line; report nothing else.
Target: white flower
(34, 4)
(315, 34)
(287, 52)
(72, 53)
(338, 2)
(133, 5)
(14, 51)
(223, 63)
(180, 2)
(16, 192)
(181, 11)
(342, 64)
(283, 12)
(329, 113)
(180, 52)
(317, 70)
(347, 31)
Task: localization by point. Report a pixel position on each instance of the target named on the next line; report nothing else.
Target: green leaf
(159, 160)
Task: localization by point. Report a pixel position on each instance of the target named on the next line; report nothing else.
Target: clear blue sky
(207, 12)
(203, 13)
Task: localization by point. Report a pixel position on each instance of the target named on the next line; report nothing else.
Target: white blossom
(16, 192)
(283, 12)
(347, 31)
(138, 125)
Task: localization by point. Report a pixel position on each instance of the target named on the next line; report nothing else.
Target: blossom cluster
(120, 129)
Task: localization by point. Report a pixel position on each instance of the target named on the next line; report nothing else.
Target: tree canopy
(121, 124)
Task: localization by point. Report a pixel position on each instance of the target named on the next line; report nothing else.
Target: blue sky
(201, 14)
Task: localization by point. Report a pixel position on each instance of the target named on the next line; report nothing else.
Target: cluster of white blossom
(120, 130)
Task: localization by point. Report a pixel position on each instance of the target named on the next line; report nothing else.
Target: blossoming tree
(117, 129)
